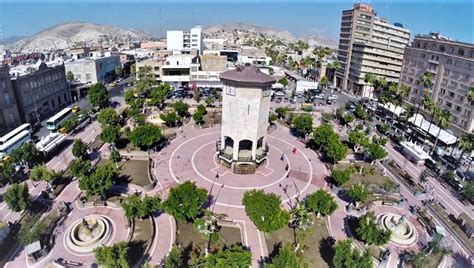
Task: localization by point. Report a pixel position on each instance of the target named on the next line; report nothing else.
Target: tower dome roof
(246, 74)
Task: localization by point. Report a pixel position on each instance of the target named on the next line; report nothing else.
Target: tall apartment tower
(368, 44)
(181, 40)
(452, 65)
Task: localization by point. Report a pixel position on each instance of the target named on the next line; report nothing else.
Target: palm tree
(427, 81)
(466, 144)
(444, 119)
(408, 113)
(470, 95)
(370, 79)
(335, 66)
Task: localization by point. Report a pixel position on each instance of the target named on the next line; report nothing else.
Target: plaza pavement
(192, 156)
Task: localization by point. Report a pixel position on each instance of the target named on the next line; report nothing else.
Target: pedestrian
(294, 150)
(282, 156)
(286, 168)
(217, 175)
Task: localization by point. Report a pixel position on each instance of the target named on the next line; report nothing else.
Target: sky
(454, 19)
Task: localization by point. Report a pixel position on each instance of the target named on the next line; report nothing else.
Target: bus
(14, 143)
(10, 135)
(54, 123)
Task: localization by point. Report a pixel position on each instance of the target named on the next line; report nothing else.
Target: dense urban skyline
(317, 17)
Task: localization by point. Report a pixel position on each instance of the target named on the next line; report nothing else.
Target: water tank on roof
(398, 24)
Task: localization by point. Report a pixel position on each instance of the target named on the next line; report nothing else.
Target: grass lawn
(135, 171)
(316, 252)
(187, 234)
(370, 174)
(140, 239)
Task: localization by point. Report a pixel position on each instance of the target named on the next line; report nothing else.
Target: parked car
(433, 166)
(329, 101)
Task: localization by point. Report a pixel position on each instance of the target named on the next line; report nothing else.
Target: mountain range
(73, 34)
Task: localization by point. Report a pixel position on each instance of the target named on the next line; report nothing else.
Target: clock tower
(245, 110)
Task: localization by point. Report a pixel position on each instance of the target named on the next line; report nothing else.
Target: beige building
(156, 65)
(93, 69)
(368, 44)
(452, 66)
(9, 116)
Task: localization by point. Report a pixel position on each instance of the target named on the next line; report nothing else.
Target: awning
(397, 110)
(444, 136)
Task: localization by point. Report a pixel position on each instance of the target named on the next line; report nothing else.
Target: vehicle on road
(329, 101)
(14, 139)
(54, 123)
(433, 166)
(76, 109)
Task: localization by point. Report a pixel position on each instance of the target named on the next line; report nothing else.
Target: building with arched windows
(245, 110)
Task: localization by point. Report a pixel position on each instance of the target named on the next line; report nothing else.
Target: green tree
(286, 258)
(281, 112)
(347, 257)
(322, 202)
(335, 66)
(375, 152)
(341, 176)
(79, 149)
(232, 256)
(100, 181)
(145, 81)
(41, 172)
(118, 70)
(31, 231)
(303, 123)
(110, 134)
(25, 154)
(185, 201)
(283, 81)
(336, 150)
(348, 118)
(470, 95)
(358, 192)
(265, 210)
(324, 82)
(108, 117)
(174, 258)
(7, 169)
(136, 207)
(444, 120)
(133, 69)
(80, 168)
(17, 197)
(198, 117)
(114, 256)
(159, 93)
(115, 156)
(272, 118)
(418, 259)
(323, 134)
(181, 108)
(69, 76)
(98, 95)
(170, 118)
(201, 109)
(358, 139)
(370, 232)
(145, 136)
(468, 191)
(466, 144)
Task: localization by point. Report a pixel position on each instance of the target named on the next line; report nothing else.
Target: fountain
(88, 233)
(403, 231)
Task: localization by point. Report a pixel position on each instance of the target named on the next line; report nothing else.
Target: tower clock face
(230, 90)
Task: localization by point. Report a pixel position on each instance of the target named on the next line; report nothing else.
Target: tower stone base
(241, 168)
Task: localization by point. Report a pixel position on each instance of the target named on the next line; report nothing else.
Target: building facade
(245, 111)
(182, 40)
(156, 67)
(41, 93)
(452, 65)
(9, 115)
(368, 44)
(94, 70)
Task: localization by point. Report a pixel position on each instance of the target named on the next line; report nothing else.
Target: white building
(245, 111)
(181, 40)
(176, 69)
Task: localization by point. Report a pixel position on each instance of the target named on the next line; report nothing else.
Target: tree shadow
(135, 251)
(460, 260)
(326, 249)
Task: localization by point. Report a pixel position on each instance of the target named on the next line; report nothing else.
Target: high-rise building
(368, 44)
(181, 40)
(9, 116)
(452, 65)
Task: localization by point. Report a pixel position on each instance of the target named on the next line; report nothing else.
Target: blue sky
(452, 18)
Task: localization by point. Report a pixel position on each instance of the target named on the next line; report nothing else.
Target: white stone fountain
(88, 233)
(403, 231)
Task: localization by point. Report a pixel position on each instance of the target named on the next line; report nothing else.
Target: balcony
(433, 61)
(433, 71)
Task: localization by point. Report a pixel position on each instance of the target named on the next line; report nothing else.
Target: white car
(279, 94)
(334, 97)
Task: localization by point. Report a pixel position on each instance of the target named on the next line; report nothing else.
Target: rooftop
(247, 74)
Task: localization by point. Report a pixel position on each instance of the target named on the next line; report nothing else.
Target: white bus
(10, 135)
(15, 142)
(54, 123)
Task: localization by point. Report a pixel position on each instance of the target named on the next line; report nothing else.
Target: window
(461, 52)
(422, 55)
(441, 48)
(451, 94)
(451, 49)
(417, 44)
(7, 98)
(449, 61)
(448, 104)
(458, 109)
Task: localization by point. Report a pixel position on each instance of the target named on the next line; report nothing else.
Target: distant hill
(242, 26)
(72, 34)
(318, 40)
(11, 40)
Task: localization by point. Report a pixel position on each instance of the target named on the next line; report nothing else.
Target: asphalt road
(83, 103)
